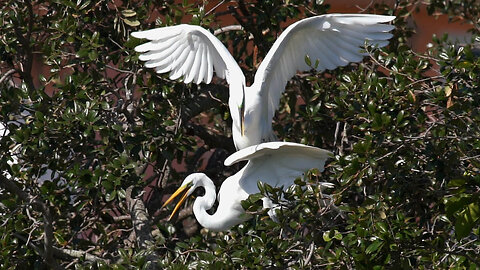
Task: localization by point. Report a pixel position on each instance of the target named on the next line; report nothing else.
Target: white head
(189, 185)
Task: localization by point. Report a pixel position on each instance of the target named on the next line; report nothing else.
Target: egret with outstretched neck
(277, 164)
(194, 53)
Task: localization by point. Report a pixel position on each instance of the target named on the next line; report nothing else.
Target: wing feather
(278, 163)
(179, 63)
(209, 66)
(192, 66)
(333, 39)
(189, 51)
(204, 65)
(187, 67)
(160, 49)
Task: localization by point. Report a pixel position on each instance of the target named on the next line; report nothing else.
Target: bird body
(194, 53)
(275, 163)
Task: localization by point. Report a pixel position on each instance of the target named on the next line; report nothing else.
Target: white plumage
(196, 54)
(275, 163)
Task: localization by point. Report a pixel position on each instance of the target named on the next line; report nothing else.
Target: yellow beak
(241, 111)
(182, 200)
(242, 123)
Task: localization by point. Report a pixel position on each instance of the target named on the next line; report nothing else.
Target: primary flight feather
(194, 53)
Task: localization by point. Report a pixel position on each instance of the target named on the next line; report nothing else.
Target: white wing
(276, 149)
(189, 51)
(333, 39)
(277, 163)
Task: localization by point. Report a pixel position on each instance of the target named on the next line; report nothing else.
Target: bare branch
(213, 140)
(228, 28)
(143, 230)
(203, 101)
(69, 253)
(26, 66)
(8, 73)
(38, 205)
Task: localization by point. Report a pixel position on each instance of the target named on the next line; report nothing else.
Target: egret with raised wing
(195, 53)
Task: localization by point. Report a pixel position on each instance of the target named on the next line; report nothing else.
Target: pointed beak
(184, 188)
(242, 122)
(241, 111)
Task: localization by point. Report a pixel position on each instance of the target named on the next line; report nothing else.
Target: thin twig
(215, 7)
(8, 73)
(120, 70)
(37, 204)
(310, 253)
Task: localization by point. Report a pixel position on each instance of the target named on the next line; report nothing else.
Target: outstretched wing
(277, 163)
(334, 40)
(189, 51)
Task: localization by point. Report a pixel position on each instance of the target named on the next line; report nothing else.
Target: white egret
(275, 163)
(194, 53)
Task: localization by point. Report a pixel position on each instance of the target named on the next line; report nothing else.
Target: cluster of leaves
(405, 129)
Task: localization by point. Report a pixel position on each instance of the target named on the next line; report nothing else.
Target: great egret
(194, 53)
(274, 163)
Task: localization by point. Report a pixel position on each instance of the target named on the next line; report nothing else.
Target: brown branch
(8, 73)
(38, 205)
(252, 28)
(227, 28)
(26, 66)
(143, 230)
(70, 253)
(204, 100)
(213, 140)
(62, 252)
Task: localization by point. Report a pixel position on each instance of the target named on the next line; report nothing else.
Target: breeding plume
(194, 54)
(275, 163)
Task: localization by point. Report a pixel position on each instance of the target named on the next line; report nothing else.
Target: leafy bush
(404, 127)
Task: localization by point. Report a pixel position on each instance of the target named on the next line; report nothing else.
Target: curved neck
(221, 220)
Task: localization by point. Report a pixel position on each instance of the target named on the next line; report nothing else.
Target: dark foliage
(404, 126)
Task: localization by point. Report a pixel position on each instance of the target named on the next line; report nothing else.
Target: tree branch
(143, 230)
(224, 29)
(204, 100)
(69, 253)
(211, 139)
(26, 68)
(6, 74)
(38, 205)
(63, 252)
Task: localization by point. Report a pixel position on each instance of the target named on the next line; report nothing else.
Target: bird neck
(221, 220)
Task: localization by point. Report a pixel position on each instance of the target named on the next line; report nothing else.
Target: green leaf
(326, 236)
(308, 61)
(382, 227)
(59, 238)
(459, 182)
(374, 247)
(467, 220)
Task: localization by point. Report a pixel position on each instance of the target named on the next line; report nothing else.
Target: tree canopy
(113, 139)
